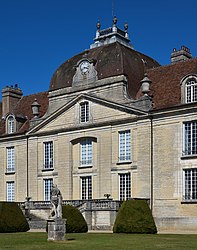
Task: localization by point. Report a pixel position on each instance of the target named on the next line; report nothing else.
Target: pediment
(101, 112)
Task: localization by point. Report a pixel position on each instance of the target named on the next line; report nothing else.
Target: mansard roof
(166, 82)
(110, 60)
(23, 107)
(23, 110)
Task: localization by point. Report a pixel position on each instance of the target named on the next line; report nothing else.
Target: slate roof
(110, 60)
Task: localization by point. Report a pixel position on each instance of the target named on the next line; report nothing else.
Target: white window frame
(190, 138)
(48, 183)
(10, 151)
(86, 152)
(124, 146)
(84, 112)
(86, 187)
(48, 155)
(124, 186)
(190, 184)
(10, 124)
(191, 90)
(10, 191)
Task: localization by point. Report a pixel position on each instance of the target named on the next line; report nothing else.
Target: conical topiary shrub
(134, 216)
(75, 222)
(12, 218)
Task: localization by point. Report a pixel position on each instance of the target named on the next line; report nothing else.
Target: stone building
(113, 122)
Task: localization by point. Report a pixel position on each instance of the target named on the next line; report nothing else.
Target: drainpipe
(27, 167)
(151, 164)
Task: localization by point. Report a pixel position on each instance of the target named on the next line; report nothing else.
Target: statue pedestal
(56, 229)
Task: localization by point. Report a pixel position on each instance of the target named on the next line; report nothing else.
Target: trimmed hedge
(12, 218)
(134, 216)
(75, 222)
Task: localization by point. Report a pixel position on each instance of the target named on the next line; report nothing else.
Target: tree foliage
(75, 222)
(134, 216)
(12, 218)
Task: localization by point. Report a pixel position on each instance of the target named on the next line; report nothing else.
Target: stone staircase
(36, 222)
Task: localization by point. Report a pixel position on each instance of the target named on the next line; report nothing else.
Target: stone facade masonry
(156, 164)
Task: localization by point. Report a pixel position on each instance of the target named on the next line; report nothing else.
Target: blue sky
(36, 36)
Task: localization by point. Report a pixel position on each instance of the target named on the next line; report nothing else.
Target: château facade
(114, 121)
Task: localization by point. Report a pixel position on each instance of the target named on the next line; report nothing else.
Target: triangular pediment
(101, 112)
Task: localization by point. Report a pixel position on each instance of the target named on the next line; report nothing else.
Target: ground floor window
(10, 191)
(124, 186)
(86, 188)
(47, 188)
(190, 184)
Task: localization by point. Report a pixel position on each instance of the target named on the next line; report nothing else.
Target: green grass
(98, 241)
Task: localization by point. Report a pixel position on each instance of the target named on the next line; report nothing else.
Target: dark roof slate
(110, 60)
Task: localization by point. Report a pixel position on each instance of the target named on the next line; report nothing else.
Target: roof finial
(115, 21)
(145, 84)
(98, 25)
(126, 30)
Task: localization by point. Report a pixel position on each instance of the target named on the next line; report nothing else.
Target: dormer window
(191, 90)
(84, 112)
(10, 124)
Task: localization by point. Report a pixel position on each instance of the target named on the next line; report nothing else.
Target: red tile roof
(166, 82)
(23, 109)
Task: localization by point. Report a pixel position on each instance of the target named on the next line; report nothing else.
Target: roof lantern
(111, 35)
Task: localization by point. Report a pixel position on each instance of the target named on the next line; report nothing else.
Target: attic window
(10, 124)
(191, 90)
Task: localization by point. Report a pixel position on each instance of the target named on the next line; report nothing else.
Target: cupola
(111, 35)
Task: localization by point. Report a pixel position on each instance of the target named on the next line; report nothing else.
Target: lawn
(95, 241)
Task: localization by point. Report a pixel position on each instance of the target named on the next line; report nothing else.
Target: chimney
(180, 55)
(10, 97)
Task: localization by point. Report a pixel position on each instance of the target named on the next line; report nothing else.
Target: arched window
(10, 124)
(191, 90)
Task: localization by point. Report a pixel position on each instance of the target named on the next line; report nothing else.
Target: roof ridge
(173, 64)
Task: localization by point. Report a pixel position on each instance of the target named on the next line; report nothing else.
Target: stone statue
(56, 201)
(27, 208)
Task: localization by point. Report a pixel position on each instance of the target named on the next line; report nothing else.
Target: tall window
(191, 90)
(84, 112)
(10, 160)
(86, 152)
(10, 191)
(86, 188)
(48, 155)
(10, 125)
(125, 186)
(125, 145)
(190, 184)
(190, 138)
(47, 188)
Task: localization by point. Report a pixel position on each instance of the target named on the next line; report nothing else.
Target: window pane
(10, 124)
(10, 159)
(190, 146)
(190, 192)
(10, 191)
(86, 188)
(84, 112)
(124, 145)
(191, 90)
(125, 186)
(48, 154)
(86, 152)
(47, 189)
